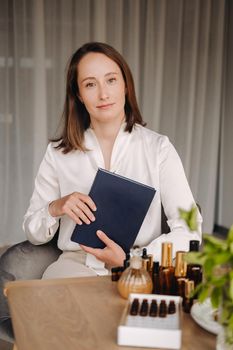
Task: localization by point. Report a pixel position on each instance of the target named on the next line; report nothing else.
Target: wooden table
(79, 313)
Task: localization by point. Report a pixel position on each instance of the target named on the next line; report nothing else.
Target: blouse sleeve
(175, 193)
(38, 224)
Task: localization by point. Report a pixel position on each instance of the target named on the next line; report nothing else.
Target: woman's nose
(103, 92)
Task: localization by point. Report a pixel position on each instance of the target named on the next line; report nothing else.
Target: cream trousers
(69, 264)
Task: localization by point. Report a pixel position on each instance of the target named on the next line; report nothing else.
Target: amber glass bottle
(166, 271)
(188, 299)
(180, 273)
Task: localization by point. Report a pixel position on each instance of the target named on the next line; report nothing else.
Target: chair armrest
(28, 261)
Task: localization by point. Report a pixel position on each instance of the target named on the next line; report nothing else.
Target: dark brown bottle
(171, 307)
(134, 307)
(153, 308)
(144, 308)
(166, 271)
(155, 278)
(162, 309)
(194, 271)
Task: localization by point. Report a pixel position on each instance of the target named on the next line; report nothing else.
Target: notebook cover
(121, 204)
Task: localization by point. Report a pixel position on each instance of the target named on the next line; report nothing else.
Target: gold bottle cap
(189, 288)
(166, 254)
(181, 264)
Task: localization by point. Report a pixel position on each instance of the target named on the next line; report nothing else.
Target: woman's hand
(77, 206)
(112, 254)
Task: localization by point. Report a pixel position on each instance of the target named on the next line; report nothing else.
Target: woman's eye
(111, 80)
(90, 85)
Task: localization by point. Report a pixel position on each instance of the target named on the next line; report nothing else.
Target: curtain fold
(175, 50)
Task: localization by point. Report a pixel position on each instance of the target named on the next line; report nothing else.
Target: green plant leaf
(216, 296)
(222, 258)
(210, 240)
(204, 293)
(231, 247)
(208, 266)
(231, 286)
(195, 258)
(230, 235)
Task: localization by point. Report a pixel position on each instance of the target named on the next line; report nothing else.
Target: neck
(106, 134)
(107, 131)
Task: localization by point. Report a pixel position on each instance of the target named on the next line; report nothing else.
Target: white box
(147, 331)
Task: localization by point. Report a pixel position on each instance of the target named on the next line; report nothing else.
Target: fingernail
(92, 218)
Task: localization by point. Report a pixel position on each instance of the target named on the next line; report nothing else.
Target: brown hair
(76, 119)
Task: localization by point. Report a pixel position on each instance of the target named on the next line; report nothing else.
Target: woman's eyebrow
(93, 78)
(110, 73)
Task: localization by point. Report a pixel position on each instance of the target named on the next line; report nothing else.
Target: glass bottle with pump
(166, 271)
(135, 279)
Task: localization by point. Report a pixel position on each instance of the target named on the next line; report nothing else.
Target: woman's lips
(105, 106)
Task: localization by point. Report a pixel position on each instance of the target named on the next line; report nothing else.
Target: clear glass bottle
(135, 279)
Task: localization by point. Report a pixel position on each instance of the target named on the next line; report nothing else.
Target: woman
(103, 128)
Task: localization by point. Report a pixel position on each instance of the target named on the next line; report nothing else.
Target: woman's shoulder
(151, 136)
(53, 147)
(53, 150)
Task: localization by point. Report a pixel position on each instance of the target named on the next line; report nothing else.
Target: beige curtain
(176, 50)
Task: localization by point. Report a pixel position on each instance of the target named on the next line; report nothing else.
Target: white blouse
(142, 155)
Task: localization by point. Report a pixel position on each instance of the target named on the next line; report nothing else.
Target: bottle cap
(166, 254)
(144, 253)
(181, 264)
(194, 245)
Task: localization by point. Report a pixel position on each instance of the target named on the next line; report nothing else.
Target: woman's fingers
(112, 254)
(84, 212)
(87, 199)
(77, 206)
(104, 238)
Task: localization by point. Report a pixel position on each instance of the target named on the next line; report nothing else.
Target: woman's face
(101, 88)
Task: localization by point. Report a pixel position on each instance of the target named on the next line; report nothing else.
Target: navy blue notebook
(121, 204)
